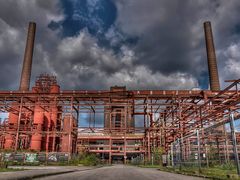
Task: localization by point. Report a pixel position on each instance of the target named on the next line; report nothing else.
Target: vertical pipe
(27, 62)
(179, 153)
(18, 124)
(144, 147)
(199, 150)
(211, 56)
(12, 126)
(54, 115)
(125, 130)
(110, 150)
(70, 142)
(172, 160)
(148, 144)
(65, 144)
(207, 158)
(70, 150)
(38, 124)
(125, 149)
(234, 141)
(226, 144)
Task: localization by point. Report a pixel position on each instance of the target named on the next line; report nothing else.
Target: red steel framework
(45, 119)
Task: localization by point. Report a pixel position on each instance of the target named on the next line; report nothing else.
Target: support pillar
(110, 150)
(234, 140)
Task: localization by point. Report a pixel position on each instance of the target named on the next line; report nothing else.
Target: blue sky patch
(96, 16)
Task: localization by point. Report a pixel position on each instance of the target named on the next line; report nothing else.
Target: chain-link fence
(207, 147)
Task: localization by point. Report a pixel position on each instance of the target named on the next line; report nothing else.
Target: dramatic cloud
(232, 65)
(91, 66)
(171, 33)
(9, 52)
(14, 18)
(143, 44)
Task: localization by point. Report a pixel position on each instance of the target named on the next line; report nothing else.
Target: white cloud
(232, 63)
(140, 77)
(114, 36)
(81, 63)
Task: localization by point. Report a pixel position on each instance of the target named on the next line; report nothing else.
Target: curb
(188, 174)
(48, 174)
(194, 175)
(44, 175)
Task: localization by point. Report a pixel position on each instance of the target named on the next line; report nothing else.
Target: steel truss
(164, 115)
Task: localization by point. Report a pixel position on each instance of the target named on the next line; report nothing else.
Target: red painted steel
(38, 121)
(12, 121)
(66, 139)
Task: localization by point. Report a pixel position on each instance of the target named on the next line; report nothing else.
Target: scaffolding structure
(164, 115)
(37, 122)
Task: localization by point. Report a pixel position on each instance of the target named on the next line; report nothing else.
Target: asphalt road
(39, 171)
(121, 172)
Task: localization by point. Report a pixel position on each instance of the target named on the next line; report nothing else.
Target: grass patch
(149, 166)
(218, 172)
(222, 172)
(9, 169)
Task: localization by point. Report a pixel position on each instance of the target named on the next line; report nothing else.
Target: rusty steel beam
(187, 108)
(27, 62)
(108, 137)
(164, 94)
(112, 151)
(211, 56)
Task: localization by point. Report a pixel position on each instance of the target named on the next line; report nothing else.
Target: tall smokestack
(27, 62)
(211, 56)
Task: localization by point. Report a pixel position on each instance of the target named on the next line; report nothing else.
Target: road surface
(30, 172)
(120, 172)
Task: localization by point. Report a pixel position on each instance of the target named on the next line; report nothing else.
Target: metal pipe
(110, 150)
(211, 56)
(18, 125)
(27, 62)
(234, 142)
(38, 124)
(199, 149)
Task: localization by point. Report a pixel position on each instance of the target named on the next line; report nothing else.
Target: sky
(143, 44)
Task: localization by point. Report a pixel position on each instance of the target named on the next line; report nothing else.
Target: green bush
(227, 166)
(213, 156)
(137, 161)
(86, 160)
(157, 155)
(90, 160)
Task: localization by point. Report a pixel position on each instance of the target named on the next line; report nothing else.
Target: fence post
(152, 159)
(206, 146)
(199, 150)
(172, 155)
(179, 154)
(234, 140)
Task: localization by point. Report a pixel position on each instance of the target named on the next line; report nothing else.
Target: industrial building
(46, 118)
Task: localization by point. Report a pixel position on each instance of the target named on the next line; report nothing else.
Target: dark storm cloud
(165, 50)
(14, 18)
(145, 44)
(167, 41)
(171, 32)
(9, 52)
